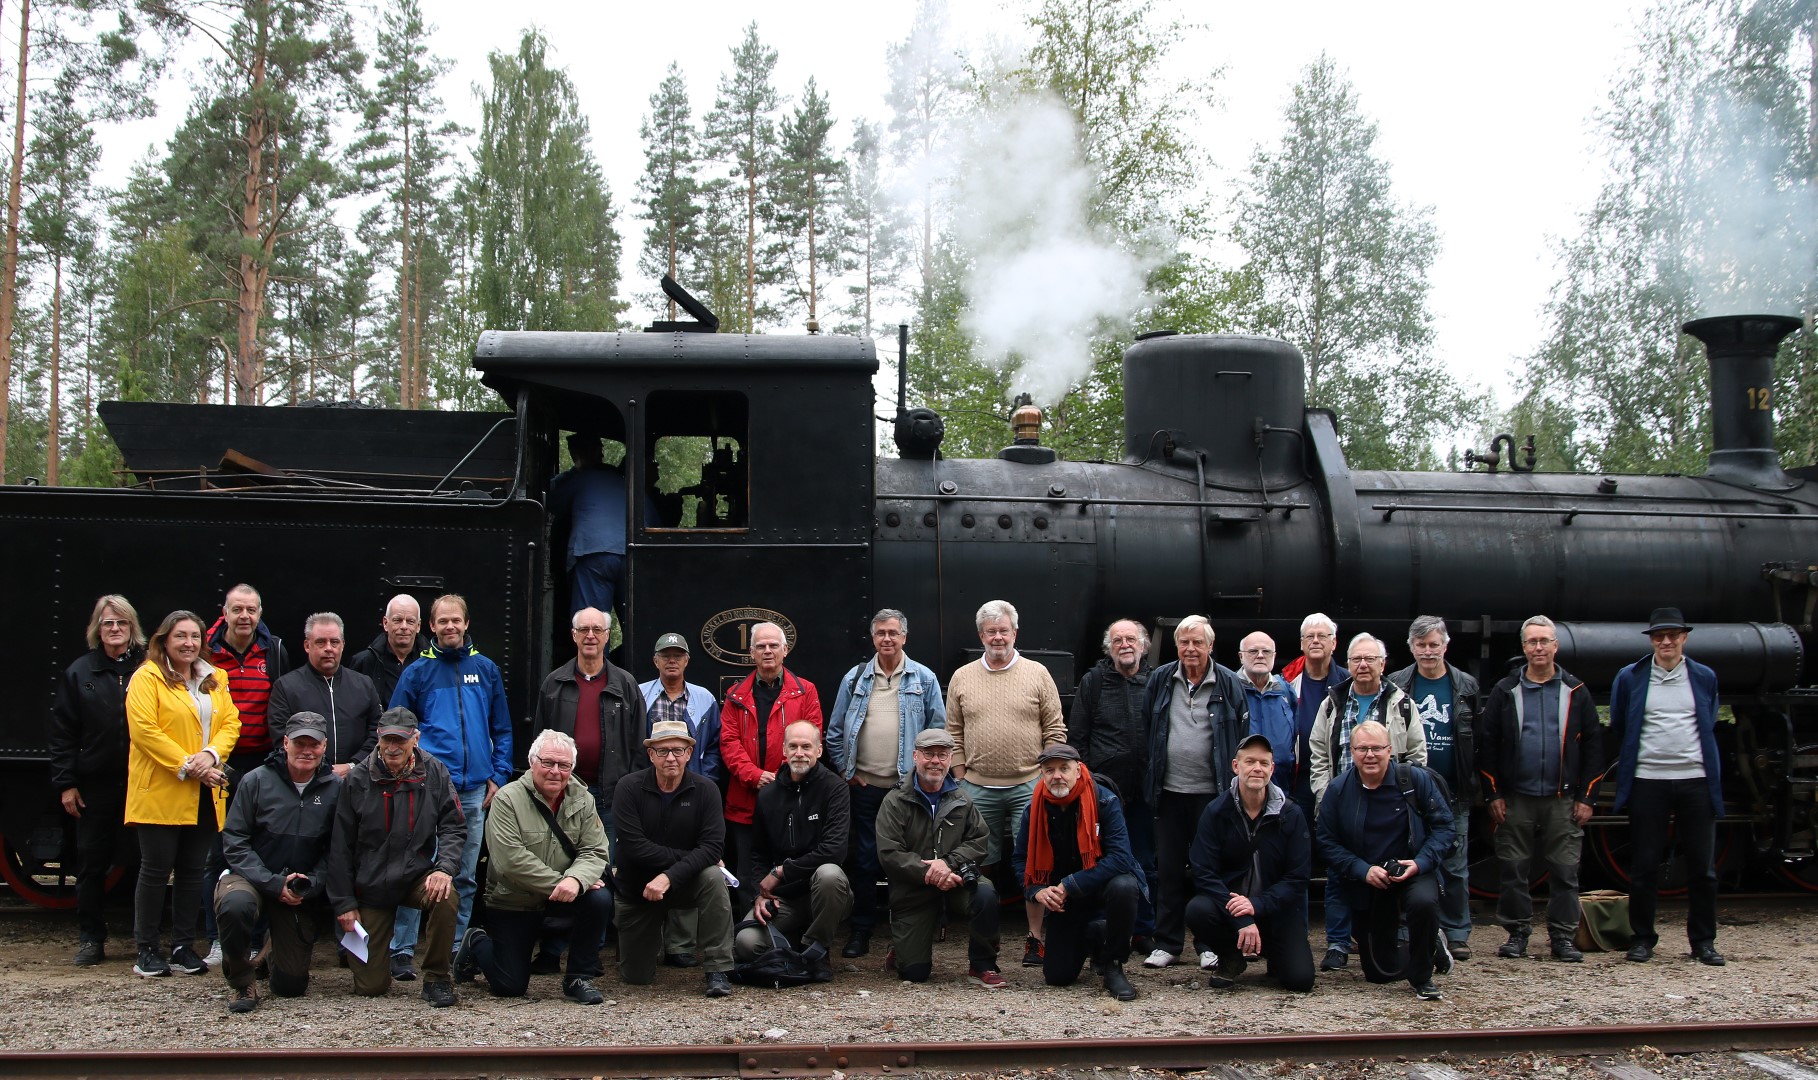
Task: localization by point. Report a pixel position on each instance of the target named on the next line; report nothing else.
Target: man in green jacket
(549, 855)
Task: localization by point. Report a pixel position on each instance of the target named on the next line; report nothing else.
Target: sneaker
(184, 959)
(151, 965)
(544, 963)
(246, 999)
(1566, 952)
(988, 978)
(213, 959)
(1207, 960)
(581, 992)
(718, 985)
(401, 967)
(466, 960)
(1426, 991)
(1032, 952)
(1442, 957)
(1336, 959)
(1160, 958)
(1515, 948)
(1117, 984)
(89, 953)
(439, 993)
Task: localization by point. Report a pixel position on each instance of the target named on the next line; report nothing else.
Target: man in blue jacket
(882, 705)
(1252, 857)
(1273, 705)
(1073, 857)
(1385, 827)
(1663, 719)
(459, 697)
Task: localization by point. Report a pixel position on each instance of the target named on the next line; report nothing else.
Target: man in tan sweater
(1001, 711)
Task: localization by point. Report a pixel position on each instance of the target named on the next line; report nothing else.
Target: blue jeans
(404, 931)
(1454, 881)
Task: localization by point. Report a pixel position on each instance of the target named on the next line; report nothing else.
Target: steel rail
(820, 1059)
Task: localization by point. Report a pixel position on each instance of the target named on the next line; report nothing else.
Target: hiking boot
(184, 959)
(1226, 972)
(89, 953)
(581, 992)
(718, 985)
(1442, 957)
(1117, 984)
(1460, 950)
(858, 944)
(1515, 948)
(987, 978)
(546, 963)
(820, 963)
(246, 999)
(439, 993)
(402, 969)
(1336, 959)
(151, 965)
(466, 959)
(1566, 952)
(1032, 952)
(681, 960)
(1426, 991)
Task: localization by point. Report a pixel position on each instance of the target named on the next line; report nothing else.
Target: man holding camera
(1385, 828)
(276, 841)
(930, 841)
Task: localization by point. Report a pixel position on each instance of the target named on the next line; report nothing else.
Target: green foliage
(878, 231)
(741, 134)
(669, 190)
(808, 192)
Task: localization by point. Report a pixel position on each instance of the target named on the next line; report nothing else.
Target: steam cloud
(1042, 281)
(1754, 247)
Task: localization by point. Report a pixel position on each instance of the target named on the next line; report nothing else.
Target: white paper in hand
(731, 882)
(354, 941)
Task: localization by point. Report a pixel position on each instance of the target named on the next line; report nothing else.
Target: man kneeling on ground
(799, 840)
(1251, 858)
(1073, 857)
(548, 851)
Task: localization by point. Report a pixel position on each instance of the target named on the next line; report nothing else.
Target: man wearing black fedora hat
(1663, 718)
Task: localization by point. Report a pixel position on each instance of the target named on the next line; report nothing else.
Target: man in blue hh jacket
(459, 698)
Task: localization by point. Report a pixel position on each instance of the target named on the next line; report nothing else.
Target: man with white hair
(1001, 712)
(1364, 696)
(398, 645)
(549, 855)
(752, 722)
(1197, 712)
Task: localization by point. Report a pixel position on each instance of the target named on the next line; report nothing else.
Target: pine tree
(878, 229)
(810, 182)
(669, 190)
(741, 131)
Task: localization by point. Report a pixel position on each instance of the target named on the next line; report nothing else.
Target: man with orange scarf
(1073, 858)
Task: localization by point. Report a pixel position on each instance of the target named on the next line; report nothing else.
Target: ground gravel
(1772, 974)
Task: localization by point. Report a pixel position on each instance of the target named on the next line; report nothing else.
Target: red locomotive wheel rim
(20, 880)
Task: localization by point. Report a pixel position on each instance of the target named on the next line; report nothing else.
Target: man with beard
(799, 841)
(1107, 727)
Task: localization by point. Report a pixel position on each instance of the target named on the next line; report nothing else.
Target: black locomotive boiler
(763, 498)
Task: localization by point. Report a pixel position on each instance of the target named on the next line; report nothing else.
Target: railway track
(1219, 1053)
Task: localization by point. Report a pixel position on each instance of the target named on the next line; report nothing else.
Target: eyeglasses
(590, 631)
(1537, 643)
(1360, 661)
(936, 753)
(1368, 751)
(554, 766)
(1316, 636)
(1259, 652)
(669, 751)
(115, 624)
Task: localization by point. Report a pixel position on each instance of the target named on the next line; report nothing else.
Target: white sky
(1484, 110)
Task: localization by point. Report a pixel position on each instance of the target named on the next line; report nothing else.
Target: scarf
(1040, 865)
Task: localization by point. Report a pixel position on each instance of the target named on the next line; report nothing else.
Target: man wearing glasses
(548, 853)
(597, 705)
(1385, 827)
(1541, 760)
(1364, 696)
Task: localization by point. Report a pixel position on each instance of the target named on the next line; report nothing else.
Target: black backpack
(779, 966)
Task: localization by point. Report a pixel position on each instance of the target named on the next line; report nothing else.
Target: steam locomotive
(765, 500)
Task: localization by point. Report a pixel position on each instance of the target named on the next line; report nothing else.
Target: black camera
(968, 872)
(299, 884)
(1392, 867)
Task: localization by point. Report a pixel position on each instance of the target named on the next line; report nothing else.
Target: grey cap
(1255, 739)
(671, 641)
(1059, 751)
(932, 737)
(398, 721)
(307, 725)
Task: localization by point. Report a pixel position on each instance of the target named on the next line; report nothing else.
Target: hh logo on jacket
(471, 679)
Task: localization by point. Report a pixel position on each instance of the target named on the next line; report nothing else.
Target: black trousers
(741, 837)
(1176, 820)
(504, 955)
(1284, 939)
(1068, 938)
(861, 863)
(1379, 914)
(1687, 804)
(177, 854)
(99, 832)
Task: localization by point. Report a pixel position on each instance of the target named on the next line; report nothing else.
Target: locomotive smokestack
(1741, 352)
(1026, 422)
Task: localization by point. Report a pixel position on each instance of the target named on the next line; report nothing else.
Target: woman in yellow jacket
(182, 723)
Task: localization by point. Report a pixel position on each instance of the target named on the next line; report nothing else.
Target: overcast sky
(1485, 111)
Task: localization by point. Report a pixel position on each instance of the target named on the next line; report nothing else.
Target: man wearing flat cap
(671, 832)
(1251, 857)
(1073, 857)
(931, 841)
(1663, 718)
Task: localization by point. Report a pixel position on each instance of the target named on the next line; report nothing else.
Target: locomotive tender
(764, 499)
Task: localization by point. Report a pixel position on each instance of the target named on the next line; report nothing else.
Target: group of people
(354, 798)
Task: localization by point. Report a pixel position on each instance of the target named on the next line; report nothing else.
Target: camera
(300, 884)
(968, 872)
(1391, 867)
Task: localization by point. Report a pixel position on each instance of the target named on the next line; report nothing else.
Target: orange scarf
(1039, 866)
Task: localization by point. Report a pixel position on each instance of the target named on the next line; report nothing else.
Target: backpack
(778, 967)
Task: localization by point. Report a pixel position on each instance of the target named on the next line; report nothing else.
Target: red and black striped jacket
(250, 676)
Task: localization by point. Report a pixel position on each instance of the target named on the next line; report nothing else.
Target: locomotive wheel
(1612, 851)
(1802, 874)
(46, 885)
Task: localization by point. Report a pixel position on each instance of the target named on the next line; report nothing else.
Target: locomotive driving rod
(810, 1059)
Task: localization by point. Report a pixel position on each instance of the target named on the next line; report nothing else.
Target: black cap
(1253, 739)
(1059, 751)
(307, 725)
(1666, 618)
(398, 721)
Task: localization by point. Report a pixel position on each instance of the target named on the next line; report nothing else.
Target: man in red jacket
(751, 741)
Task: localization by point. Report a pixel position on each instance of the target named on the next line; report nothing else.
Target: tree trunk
(53, 443)
(750, 244)
(9, 269)
(407, 377)
(250, 294)
(811, 290)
